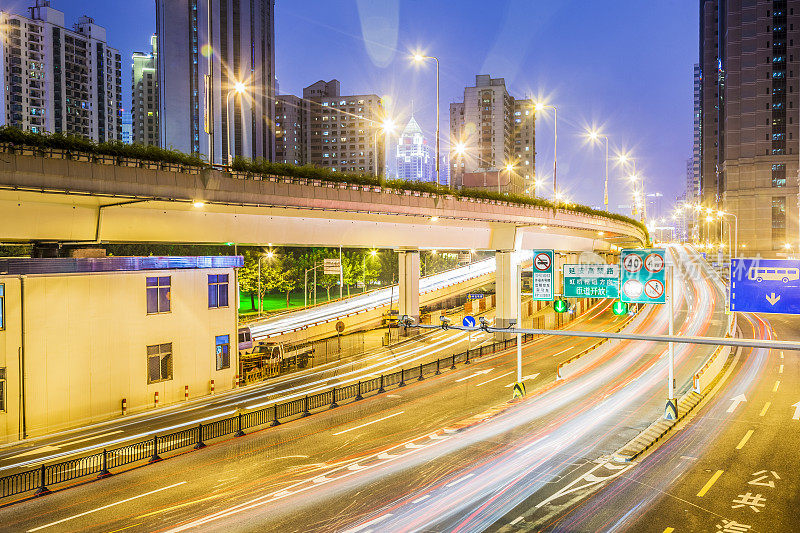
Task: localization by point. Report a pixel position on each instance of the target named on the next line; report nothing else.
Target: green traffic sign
(620, 308)
(560, 306)
(591, 281)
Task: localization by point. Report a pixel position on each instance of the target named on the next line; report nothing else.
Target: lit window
(217, 290)
(222, 349)
(158, 295)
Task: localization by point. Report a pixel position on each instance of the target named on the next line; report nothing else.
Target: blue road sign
(765, 286)
(642, 279)
(469, 321)
(475, 296)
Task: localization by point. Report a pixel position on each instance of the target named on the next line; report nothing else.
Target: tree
(248, 277)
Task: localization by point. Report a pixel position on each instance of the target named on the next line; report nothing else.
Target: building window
(779, 175)
(223, 351)
(2, 306)
(158, 297)
(159, 362)
(778, 222)
(2, 389)
(217, 290)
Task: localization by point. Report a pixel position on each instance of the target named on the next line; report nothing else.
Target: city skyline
(649, 115)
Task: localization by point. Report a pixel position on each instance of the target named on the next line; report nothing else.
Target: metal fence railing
(100, 463)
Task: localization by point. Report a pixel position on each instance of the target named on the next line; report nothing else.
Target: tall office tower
(694, 164)
(496, 130)
(127, 127)
(144, 109)
(344, 133)
(206, 49)
(290, 118)
(750, 57)
(57, 79)
(415, 158)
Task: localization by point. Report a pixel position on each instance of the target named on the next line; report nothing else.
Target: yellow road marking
(669, 530)
(781, 355)
(167, 509)
(777, 384)
(764, 410)
(744, 439)
(124, 528)
(781, 370)
(710, 483)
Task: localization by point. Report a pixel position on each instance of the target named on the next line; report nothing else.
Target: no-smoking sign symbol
(654, 289)
(542, 262)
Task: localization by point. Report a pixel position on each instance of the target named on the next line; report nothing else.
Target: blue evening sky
(624, 66)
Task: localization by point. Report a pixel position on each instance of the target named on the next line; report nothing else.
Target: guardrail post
(305, 408)
(381, 390)
(274, 416)
(333, 399)
(358, 396)
(467, 361)
(402, 379)
(437, 367)
(42, 490)
(104, 472)
(453, 365)
(155, 457)
(239, 432)
(200, 444)
(420, 373)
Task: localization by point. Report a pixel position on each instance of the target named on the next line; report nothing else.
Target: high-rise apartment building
(290, 123)
(750, 61)
(344, 133)
(206, 49)
(693, 165)
(415, 158)
(144, 109)
(495, 130)
(57, 79)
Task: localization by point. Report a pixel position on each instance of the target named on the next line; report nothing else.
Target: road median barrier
(702, 383)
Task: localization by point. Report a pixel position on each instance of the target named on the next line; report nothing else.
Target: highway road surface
(731, 468)
(444, 454)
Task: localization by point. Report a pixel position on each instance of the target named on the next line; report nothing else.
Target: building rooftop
(22, 266)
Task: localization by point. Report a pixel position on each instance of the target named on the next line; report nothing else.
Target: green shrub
(261, 166)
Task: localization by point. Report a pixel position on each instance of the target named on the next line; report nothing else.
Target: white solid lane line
(476, 374)
(368, 423)
(362, 527)
(106, 507)
(493, 379)
(87, 439)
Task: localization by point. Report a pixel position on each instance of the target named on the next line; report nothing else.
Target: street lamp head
(460, 148)
(270, 254)
(509, 167)
(239, 87)
(373, 253)
(387, 125)
(623, 158)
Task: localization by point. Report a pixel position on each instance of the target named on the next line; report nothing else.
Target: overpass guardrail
(149, 450)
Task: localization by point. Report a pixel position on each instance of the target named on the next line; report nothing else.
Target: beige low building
(88, 334)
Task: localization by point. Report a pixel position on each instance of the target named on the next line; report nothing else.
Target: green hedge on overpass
(75, 144)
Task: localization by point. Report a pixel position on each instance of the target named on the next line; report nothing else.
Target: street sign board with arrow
(765, 286)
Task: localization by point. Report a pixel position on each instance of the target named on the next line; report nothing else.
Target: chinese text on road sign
(593, 281)
(543, 275)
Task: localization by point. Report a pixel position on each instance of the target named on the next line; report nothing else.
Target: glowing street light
(419, 58)
(238, 88)
(268, 256)
(595, 136)
(539, 106)
(386, 127)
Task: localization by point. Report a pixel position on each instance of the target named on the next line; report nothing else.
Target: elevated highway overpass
(108, 200)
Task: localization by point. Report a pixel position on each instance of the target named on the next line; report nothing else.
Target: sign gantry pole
(519, 323)
(671, 412)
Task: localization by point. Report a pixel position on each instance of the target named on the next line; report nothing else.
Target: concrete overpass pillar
(408, 281)
(506, 290)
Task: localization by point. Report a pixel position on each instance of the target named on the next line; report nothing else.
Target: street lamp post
(418, 58)
(509, 169)
(539, 107)
(238, 88)
(268, 255)
(372, 253)
(386, 127)
(594, 136)
(735, 229)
